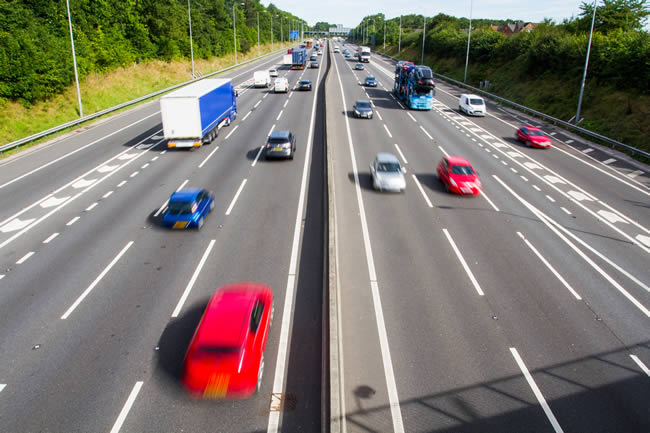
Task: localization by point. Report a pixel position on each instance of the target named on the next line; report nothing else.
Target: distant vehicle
(281, 84)
(313, 57)
(371, 81)
(363, 54)
(304, 85)
(188, 208)
(290, 51)
(337, 49)
(225, 358)
(262, 79)
(320, 52)
(471, 104)
(533, 137)
(358, 67)
(299, 58)
(416, 94)
(314, 65)
(192, 115)
(347, 55)
(387, 173)
(458, 176)
(273, 72)
(363, 108)
(280, 144)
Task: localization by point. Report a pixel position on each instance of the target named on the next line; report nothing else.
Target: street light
(74, 62)
(424, 32)
(189, 14)
(374, 33)
(469, 37)
(584, 74)
(258, 34)
(399, 41)
(234, 28)
(272, 49)
(384, 35)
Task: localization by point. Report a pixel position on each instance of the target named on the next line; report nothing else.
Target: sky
(350, 12)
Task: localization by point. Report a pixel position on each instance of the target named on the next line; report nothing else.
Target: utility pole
(584, 74)
(74, 61)
(234, 30)
(258, 34)
(399, 41)
(384, 35)
(189, 14)
(469, 37)
(424, 32)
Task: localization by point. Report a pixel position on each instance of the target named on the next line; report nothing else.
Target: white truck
(364, 54)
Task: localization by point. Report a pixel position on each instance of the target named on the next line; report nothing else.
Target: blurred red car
(226, 356)
(533, 137)
(458, 176)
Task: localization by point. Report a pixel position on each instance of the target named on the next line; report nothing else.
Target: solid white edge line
(52, 236)
(489, 201)
(127, 407)
(234, 199)
(195, 275)
(396, 412)
(555, 227)
(25, 258)
(212, 153)
(634, 358)
(550, 267)
(463, 262)
(287, 312)
(95, 282)
(443, 151)
(536, 391)
(417, 182)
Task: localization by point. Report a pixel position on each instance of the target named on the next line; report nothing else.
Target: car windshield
(476, 101)
(180, 208)
(278, 140)
(370, 78)
(462, 169)
(535, 132)
(363, 104)
(390, 167)
(210, 350)
(305, 82)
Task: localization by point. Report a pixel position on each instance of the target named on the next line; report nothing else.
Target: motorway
(524, 309)
(98, 302)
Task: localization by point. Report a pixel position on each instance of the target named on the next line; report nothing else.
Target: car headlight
(478, 183)
(453, 182)
(357, 112)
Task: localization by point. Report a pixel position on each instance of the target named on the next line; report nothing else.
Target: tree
(612, 15)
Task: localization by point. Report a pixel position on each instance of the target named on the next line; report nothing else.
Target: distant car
(273, 72)
(347, 55)
(371, 81)
(313, 58)
(336, 49)
(533, 137)
(188, 208)
(225, 358)
(473, 105)
(363, 108)
(458, 176)
(314, 65)
(358, 67)
(280, 144)
(387, 173)
(304, 85)
(320, 52)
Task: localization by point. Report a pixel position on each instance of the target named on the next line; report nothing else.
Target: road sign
(294, 34)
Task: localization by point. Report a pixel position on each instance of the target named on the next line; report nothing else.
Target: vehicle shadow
(156, 221)
(365, 180)
(431, 181)
(252, 154)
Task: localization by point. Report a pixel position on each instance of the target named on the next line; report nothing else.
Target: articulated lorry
(299, 58)
(192, 115)
(414, 85)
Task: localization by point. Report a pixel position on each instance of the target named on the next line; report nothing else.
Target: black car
(280, 144)
(304, 85)
(363, 109)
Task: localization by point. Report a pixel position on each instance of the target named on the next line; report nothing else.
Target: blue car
(188, 208)
(347, 55)
(371, 81)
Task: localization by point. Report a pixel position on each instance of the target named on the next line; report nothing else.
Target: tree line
(36, 53)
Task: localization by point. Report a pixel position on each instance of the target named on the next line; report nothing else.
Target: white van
(473, 105)
(281, 85)
(262, 79)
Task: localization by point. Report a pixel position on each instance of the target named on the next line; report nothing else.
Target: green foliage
(36, 55)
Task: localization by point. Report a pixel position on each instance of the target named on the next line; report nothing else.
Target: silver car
(387, 173)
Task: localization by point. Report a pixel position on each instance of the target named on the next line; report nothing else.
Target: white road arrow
(53, 201)
(107, 168)
(82, 183)
(611, 216)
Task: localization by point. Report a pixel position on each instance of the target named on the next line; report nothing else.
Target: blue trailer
(299, 58)
(414, 85)
(192, 115)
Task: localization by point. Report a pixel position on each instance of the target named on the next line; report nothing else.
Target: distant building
(511, 28)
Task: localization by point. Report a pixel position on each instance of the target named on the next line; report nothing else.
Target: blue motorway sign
(294, 34)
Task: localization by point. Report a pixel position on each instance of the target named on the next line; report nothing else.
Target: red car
(226, 356)
(458, 176)
(533, 137)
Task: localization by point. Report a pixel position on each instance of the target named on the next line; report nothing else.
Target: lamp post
(373, 30)
(272, 49)
(189, 14)
(74, 61)
(424, 32)
(384, 35)
(234, 28)
(584, 74)
(399, 40)
(258, 34)
(469, 37)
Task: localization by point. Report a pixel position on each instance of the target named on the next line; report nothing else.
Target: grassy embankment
(106, 90)
(618, 114)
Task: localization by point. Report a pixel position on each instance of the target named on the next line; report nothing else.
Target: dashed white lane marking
(536, 187)
(50, 238)
(279, 115)
(95, 282)
(551, 199)
(246, 116)
(411, 116)
(2, 385)
(127, 407)
(417, 182)
(567, 211)
(524, 178)
(134, 174)
(443, 151)
(609, 161)
(285, 103)
(144, 166)
(514, 170)
(154, 158)
(569, 141)
(550, 267)
(258, 103)
(536, 391)
(91, 207)
(379, 115)
(635, 173)
(212, 153)
(195, 275)
(163, 152)
(234, 200)
(489, 201)
(72, 221)
(387, 131)
(504, 162)
(25, 258)
(265, 95)
(463, 262)
(401, 154)
(233, 130)
(588, 150)
(119, 185)
(635, 358)
(552, 133)
(426, 133)
(1, 277)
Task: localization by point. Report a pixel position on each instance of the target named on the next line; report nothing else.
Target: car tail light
(268, 144)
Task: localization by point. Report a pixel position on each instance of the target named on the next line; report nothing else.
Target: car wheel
(260, 374)
(446, 186)
(529, 143)
(460, 109)
(200, 223)
(291, 156)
